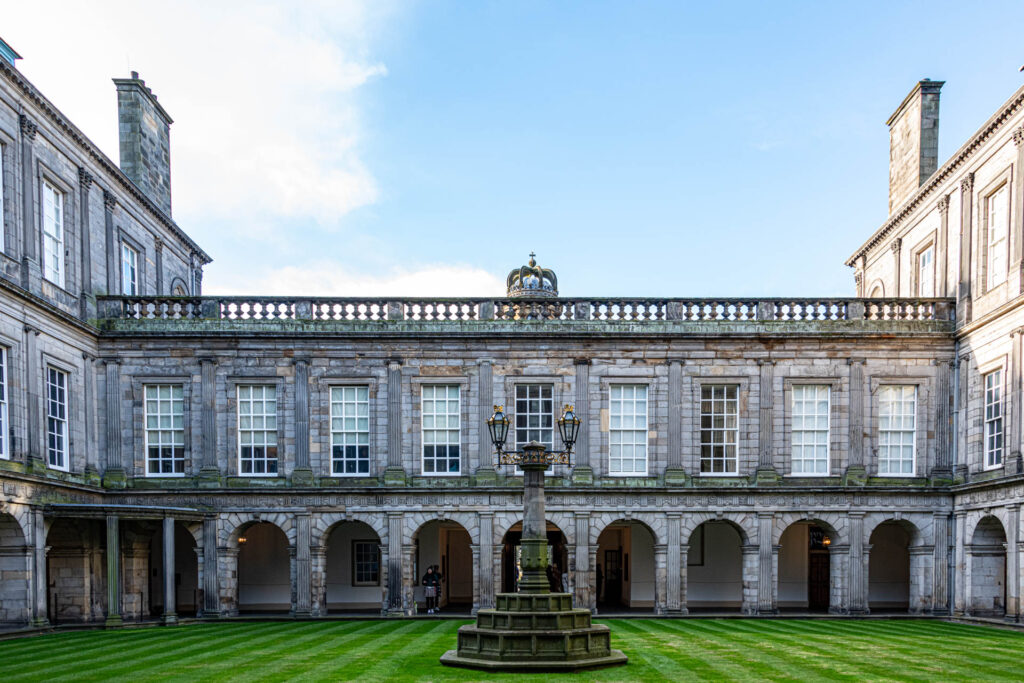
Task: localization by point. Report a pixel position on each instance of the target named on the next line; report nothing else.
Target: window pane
(440, 429)
(348, 456)
(628, 429)
(719, 434)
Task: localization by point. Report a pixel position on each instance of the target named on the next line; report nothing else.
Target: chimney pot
(135, 75)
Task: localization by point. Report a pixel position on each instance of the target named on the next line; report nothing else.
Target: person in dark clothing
(440, 587)
(430, 585)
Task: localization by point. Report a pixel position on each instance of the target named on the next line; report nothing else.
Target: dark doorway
(612, 593)
(510, 570)
(818, 581)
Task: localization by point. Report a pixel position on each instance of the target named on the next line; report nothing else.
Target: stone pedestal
(533, 632)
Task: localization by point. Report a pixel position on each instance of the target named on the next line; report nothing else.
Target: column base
(36, 465)
(113, 621)
(582, 475)
(40, 622)
(941, 476)
(209, 478)
(115, 478)
(303, 476)
(767, 476)
(169, 619)
(676, 476)
(485, 476)
(395, 476)
(855, 475)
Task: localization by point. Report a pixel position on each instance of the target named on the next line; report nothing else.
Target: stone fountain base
(533, 632)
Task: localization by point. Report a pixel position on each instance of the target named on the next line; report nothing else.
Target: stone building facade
(168, 454)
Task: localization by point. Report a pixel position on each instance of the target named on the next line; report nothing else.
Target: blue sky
(643, 148)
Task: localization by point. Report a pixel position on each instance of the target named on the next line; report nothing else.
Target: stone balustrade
(562, 309)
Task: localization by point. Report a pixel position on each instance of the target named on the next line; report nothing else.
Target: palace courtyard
(658, 649)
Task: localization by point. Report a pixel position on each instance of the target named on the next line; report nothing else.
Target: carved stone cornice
(967, 184)
(84, 178)
(943, 204)
(109, 201)
(28, 127)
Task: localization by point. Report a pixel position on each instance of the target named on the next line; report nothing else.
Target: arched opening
(625, 568)
(354, 573)
(140, 593)
(805, 583)
(889, 567)
(75, 571)
(511, 572)
(988, 569)
(14, 570)
(264, 569)
(714, 568)
(445, 546)
(186, 572)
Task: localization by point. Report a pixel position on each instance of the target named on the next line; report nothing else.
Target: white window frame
(883, 399)
(424, 429)
(628, 435)
(800, 445)
(167, 437)
(994, 437)
(5, 426)
(268, 430)
(724, 431)
(542, 417)
(926, 272)
(53, 234)
(997, 235)
(56, 423)
(341, 435)
(129, 270)
(375, 548)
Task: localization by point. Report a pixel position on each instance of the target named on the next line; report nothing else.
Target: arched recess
(625, 572)
(264, 568)
(354, 573)
(987, 584)
(876, 290)
(76, 571)
(558, 554)
(715, 567)
(15, 571)
(807, 574)
(890, 573)
(445, 545)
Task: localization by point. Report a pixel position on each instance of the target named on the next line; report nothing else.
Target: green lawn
(692, 649)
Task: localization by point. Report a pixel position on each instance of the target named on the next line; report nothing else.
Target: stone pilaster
(483, 468)
(961, 567)
(751, 585)
(1013, 611)
(110, 240)
(37, 456)
(395, 606)
(940, 564)
(475, 552)
(942, 471)
(113, 571)
(1017, 204)
(407, 560)
(318, 580)
(87, 302)
(583, 470)
(942, 251)
(856, 473)
(211, 586)
(482, 571)
(30, 263)
(595, 589)
(674, 561)
(896, 246)
(858, 563)
(114, 476)
(766, 564)
(394, 475)
(303, 566)
(1014, 414)
(963, 303)
(89, 408)
(170, 615)
(960, 419)
(302, 475)
(209, 474)
(660, 578)
(766, 473)
(675, 473)
(39, 579)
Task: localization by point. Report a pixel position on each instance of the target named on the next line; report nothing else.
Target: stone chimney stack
(145, 138)
(913, 141)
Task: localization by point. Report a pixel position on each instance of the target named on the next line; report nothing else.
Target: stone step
(519, 621)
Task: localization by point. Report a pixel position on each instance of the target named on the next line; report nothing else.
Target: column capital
(111, 360)
(485, 513)
(207, 359)
(675, 361)
(109, 201)
(854, 361)
(84, 178)
(943, 204)
(581, 515)
(485, 361)
(765, 361)
(300, 360)
(393, 362)
(1018, 136)
(967, 183)
(896, 245)
(28, 127)
(158, 244)
(765, 515)
(855, 514)
(581, 360)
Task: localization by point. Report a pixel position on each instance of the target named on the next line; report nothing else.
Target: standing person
(430, 584)
(440, 587)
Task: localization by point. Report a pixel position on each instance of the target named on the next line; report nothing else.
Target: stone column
(211, 589)
(110, 239)
(227, 568)
(1014, 462)
(1012, 562)
(921, 589)
(158, 263)
(766, 473)
(684, 557)
(39, 579)
(395, 523)
(751, 570)
(583, 470)
(940, 564)
(896, 246)
(114, 475)
(1017, 203)
(87, 303)
(303, 569)
(318, 580)
(960, 454)
(766, 562)
(858, 562)
(170, 615)
(660, 577)
(409, 579)
(497, 555)
(89, 408)
(474, 549)
(482, 569)
(113, 571)
(963, 304)
(595, 590)
(584, 586)
(856, 473)
(37, 457)
(838, 566)
(302, 475)
(31, 268)
(942, 471)
(942, 251)
(483, 462)
(209, 474)
(675, 472)
(968, 579)
(673, 565)
(961, 567)
(394, 475)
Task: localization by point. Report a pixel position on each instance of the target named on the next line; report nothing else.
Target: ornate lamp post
(534, 629)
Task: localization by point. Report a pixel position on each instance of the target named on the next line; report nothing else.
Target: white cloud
(265, 96)
(328, 278)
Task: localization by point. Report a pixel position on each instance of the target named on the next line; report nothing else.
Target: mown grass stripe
(720, 658)
(420, 650)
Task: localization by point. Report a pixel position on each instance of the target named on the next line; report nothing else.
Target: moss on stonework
(161, 483)
(256, 482)
(898, 482)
